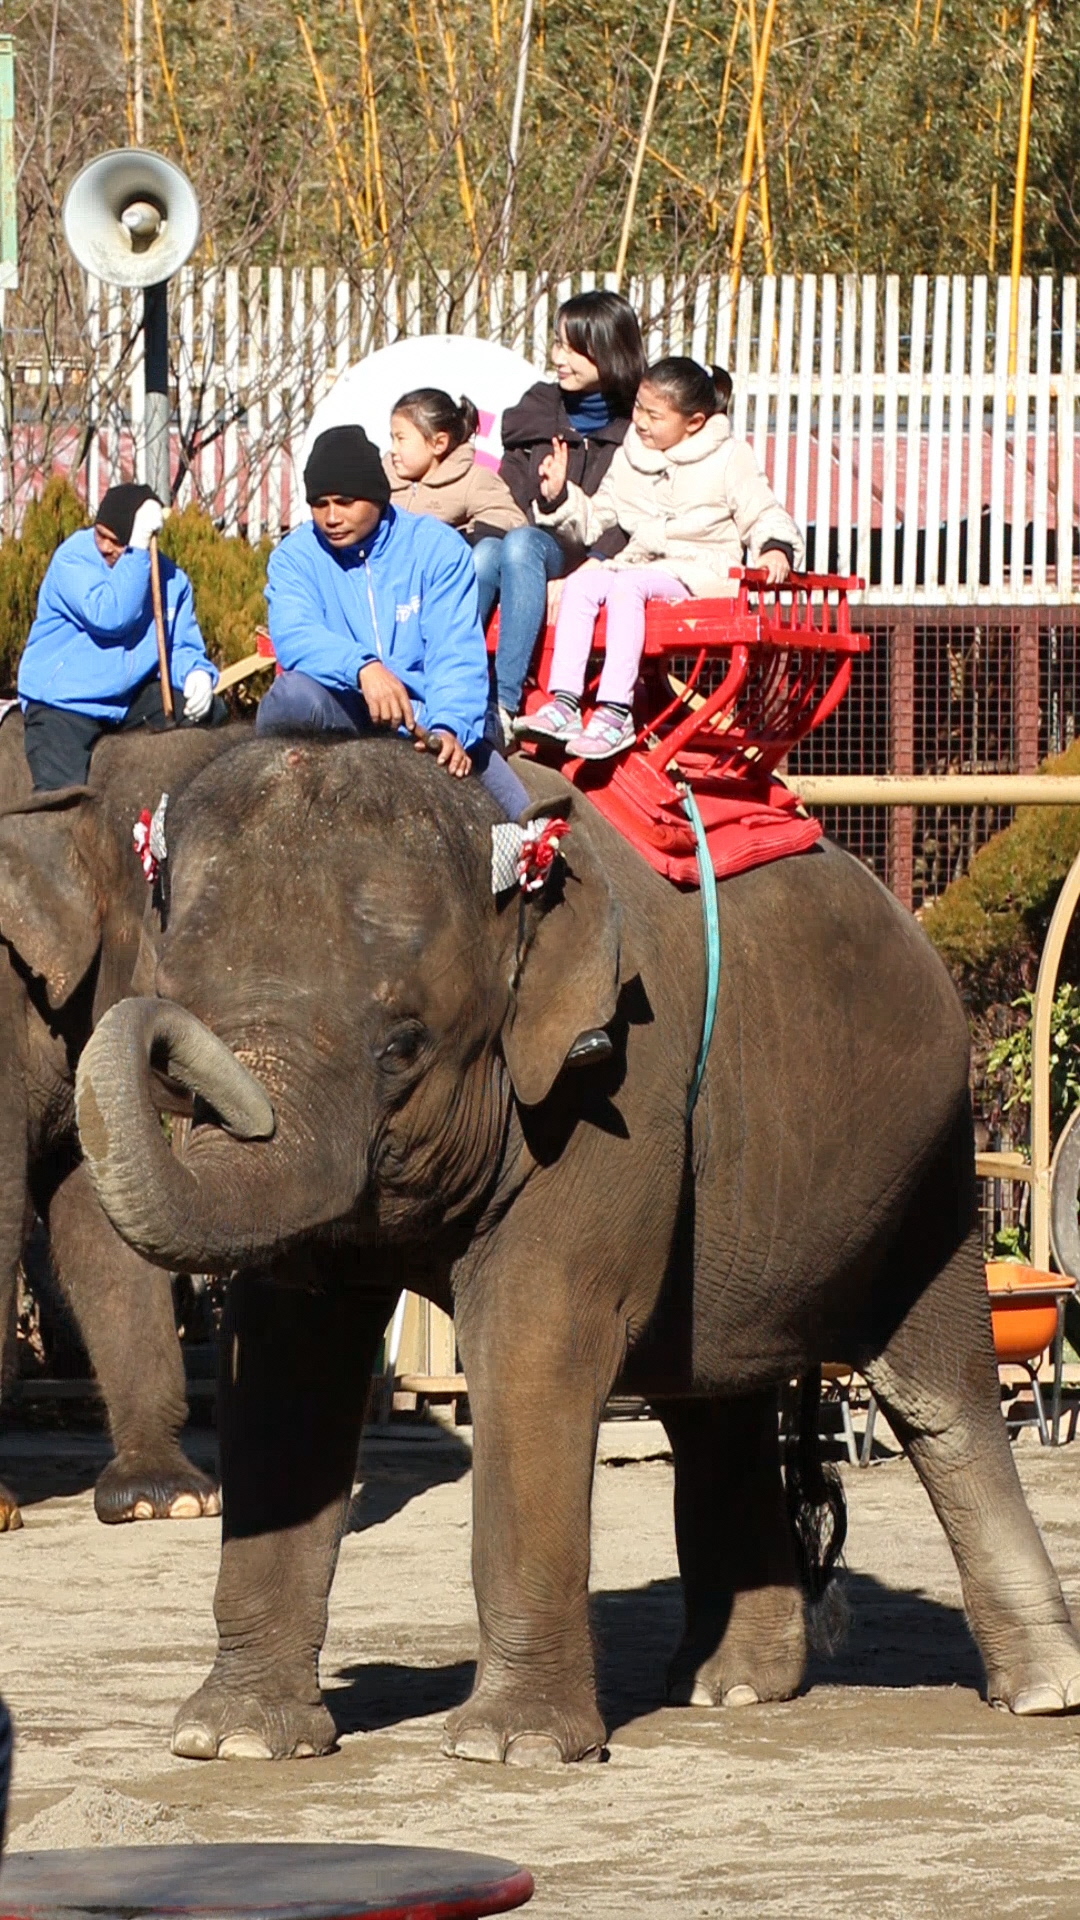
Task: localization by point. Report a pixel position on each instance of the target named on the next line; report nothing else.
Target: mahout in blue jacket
(90, 664)
(373, 616)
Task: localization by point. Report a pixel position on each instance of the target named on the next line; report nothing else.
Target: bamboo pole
(643, 141)
(763, 171)
(1020, 191)
(365, 239)
(372, 121)
(514, 150)
(138, 89)
(468, 202)
(750, 147)
(935, 790)
(422, 77)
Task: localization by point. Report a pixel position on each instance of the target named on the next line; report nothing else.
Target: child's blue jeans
(515, 571)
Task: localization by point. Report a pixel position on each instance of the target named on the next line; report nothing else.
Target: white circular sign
(492, 376)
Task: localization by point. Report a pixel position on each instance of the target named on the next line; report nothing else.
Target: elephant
(375, 1047)
(72, 896)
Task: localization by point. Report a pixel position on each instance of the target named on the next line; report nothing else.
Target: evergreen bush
(23, 562)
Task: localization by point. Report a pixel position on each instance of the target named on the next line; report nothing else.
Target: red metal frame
(788, 651)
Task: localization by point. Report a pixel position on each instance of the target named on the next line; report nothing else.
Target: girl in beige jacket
(691, 498)
(432, 466)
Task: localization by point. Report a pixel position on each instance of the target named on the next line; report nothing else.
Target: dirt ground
(888, 1790)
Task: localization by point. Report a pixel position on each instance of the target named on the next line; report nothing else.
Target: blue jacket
(93, 642)
(405, 596)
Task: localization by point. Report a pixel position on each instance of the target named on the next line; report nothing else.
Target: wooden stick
(162, 638)
(643, 141)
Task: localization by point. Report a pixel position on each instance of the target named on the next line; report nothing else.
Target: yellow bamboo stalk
(1020, 193)
(170, 84)
(371, 113)
(643, 141)
(468, 201)
(935, 31)
(365, 239)
(129, 92)
(917, 22)
(746, 182)
(762, 164)
(992, 237)
(422, 78)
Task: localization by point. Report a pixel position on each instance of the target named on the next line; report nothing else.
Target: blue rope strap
(710, 907)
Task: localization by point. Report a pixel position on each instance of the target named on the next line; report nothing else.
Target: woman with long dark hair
(599, 359)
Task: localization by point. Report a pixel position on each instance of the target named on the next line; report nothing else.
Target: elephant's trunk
(222, 1207)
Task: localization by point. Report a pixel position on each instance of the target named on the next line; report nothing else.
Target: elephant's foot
(217, 1724)
(130, 1488)
(10, 1517)
(1041, 1676)
(762, 1655)
(524, 1729)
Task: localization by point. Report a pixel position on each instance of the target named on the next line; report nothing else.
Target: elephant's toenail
(142, 1510)
(212, 1505)
(534, 1750)
(243, 1746)
(1038, 1699)
(194, 1742)
(474, 1743)
(740, 1696)
(186, 1506)
(701, 1695)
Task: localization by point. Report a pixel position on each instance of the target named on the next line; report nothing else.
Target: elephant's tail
(816, 1505)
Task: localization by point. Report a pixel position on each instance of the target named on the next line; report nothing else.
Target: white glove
(148, 520)
(198, 692)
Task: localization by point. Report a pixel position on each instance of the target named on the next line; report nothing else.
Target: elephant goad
(72, 898)
(375, 1049)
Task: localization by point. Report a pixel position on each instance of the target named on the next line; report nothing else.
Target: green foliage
(228, 579)
(989, 926)
(23, 563)
(1008, 1063)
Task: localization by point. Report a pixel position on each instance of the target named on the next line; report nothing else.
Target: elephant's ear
(567, 978)
(50, 912)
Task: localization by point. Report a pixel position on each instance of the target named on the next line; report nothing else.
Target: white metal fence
(884, 411)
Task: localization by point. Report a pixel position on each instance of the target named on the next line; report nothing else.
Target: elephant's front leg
(540, 1363)
(295, 1365)
(745, 1635)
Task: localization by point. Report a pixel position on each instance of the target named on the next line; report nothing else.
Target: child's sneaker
(609, 731)
(555, 721)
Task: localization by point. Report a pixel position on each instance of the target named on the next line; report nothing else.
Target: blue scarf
(587, 412)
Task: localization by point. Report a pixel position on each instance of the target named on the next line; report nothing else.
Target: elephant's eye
(403, 1046)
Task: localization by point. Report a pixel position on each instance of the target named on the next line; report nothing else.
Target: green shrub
(989, 926)
(228, 578)
(23, 562)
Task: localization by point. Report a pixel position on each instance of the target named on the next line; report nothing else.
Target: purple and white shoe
(609, 732)
(555, 721)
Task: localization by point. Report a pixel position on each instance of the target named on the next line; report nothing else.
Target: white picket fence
(884, 411)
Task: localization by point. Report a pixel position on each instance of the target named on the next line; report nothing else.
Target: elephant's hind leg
(938, 1381)
(745, 1634)
(125, 1314)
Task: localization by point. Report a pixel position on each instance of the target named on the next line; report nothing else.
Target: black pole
(156, 361)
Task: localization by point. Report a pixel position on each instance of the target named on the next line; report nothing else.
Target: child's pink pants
(625, 591)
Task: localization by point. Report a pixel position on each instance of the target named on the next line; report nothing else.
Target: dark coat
(527, 433)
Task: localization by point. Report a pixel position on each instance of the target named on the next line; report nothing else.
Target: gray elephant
(72, 896)
(375, 1046)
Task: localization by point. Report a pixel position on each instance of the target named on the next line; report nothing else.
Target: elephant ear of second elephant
(569, 977)
(50, 915)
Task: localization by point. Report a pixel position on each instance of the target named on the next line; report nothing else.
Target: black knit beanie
(344, 461)
(119, 507)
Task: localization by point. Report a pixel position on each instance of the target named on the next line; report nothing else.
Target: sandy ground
(888, 1789)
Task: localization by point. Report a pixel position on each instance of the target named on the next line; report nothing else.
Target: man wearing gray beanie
(373, 616)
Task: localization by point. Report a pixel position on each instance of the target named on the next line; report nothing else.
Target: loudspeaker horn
(131, 217)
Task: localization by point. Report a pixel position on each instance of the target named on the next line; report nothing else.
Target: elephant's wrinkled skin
(422, 1131)
(72, 897)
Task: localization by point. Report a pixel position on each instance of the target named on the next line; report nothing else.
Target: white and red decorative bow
(524, 856)
(148, 839)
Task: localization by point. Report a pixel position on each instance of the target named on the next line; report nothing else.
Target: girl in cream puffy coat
(691, 498)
